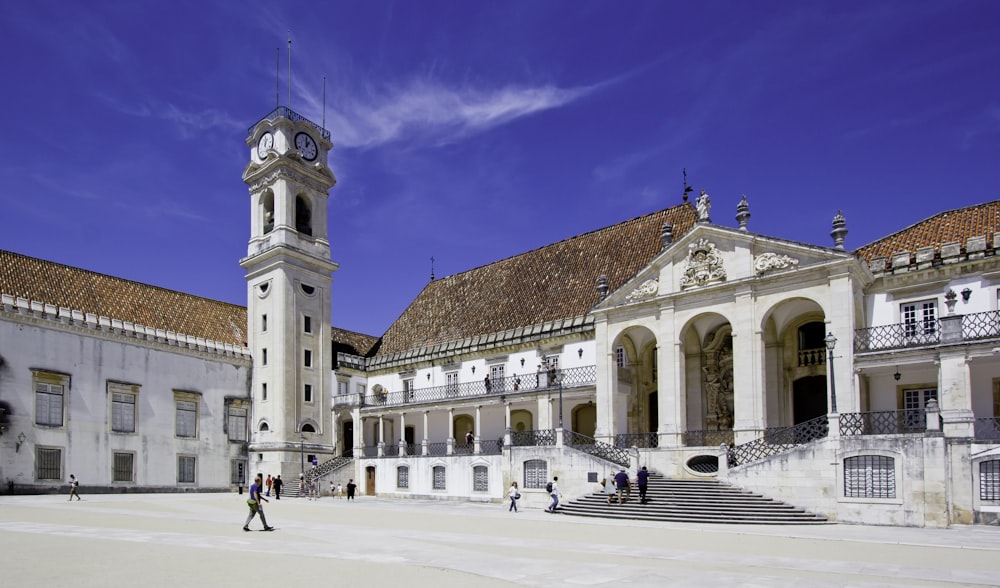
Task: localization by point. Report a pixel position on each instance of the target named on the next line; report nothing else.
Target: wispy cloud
(187, 123)
(429, 112)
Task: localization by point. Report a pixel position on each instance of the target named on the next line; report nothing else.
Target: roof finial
(743, 213)
(602, 286)
(432, 268)
(839, 232)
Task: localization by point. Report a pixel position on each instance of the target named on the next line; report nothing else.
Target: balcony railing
(812, 357)
(533, 438)
(981, 325)
(509, 386)
(987, 429)
(708, 438)
(897, 336)
(640, 440)
(284, 111)
(885, 422)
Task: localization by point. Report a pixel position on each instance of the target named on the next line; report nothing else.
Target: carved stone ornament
(704, 265)
(766, 262)
(648, 289)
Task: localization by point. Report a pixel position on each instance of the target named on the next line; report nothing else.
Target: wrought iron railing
(641, 440)
(369, 451)
(779, 440)
(987, 429)
(618, 455)
(981, 325)
(884, 422)
(884, 337)
(492, 447)
(510, 385)
(811, 357)
(437, 449)
(291, 115)
(708, 438)
(534, 438)
(390, 450)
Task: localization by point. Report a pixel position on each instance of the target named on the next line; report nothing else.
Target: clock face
(306, 146)
(264, 144)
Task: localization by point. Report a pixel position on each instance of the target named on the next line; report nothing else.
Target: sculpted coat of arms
(703, 265)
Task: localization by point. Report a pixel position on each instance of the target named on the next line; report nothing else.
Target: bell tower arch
(288, 274)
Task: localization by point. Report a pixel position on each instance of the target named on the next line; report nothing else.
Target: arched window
(402, 477)
(480, 479)
(303, 216)
(439, 478)
(307, 428)
(536, 471)
(264, 428)
(268, 212)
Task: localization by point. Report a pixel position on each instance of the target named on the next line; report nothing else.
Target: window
(307, 428)
(308, 358)
(264, 428)
(536, 472)
(236, 425)
(263, 323)
(48, 463)
(552, 362)
(122, 407)
(870, 476)
(451, 383)
(185, 469)
(263, 356)
(407, 389)
(263, 390)
(439, 479)
(989, 480)
(913, 403)
(620, 358)
(341, 388)
(402, 477)
(480, 479)
(308, 395)
(307, 324)
(238, 472)
(361, 389)
(497, 376)
(187, 414)
(920, 321)
(122, 467)
(50, 389)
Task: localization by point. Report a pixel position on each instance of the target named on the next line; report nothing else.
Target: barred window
(122, 412)
(48, 404)
(122, 467)
(480, 479)
(402, 477)
(185, 469)
(620, 358)
(237, 424)
(187, 419)
(439, 479)
(870, 476)
(536, 472)
(48, 463)
(238, 472)
(989, 480)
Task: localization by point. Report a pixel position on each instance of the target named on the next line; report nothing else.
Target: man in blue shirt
(642, 480)
(254, 502)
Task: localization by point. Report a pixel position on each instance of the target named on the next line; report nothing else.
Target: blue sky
(471, 131)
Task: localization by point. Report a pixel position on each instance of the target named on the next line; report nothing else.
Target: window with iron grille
(48, 463)
(185, 469)
(48, 404)
(122, 467)
(480, 479)
(122, 410)
(870, 476)
(989, 480)
(402, 477)
(620, 356)
(536, 472)
(439, 478)
(237, 426)
(187, 419)
(238, 472)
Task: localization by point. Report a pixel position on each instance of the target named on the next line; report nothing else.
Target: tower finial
(839, 232)
(277, 77)
(289, 68)
(432, 268)
(743, 213)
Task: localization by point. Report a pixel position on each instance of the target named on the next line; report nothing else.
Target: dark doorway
(808, 398)
(408, 436)
(348, 444)
(370, 481)
(654, 413)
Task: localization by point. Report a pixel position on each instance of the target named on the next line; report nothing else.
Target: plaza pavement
(191, 540)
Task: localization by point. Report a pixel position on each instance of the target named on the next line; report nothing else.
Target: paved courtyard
(171, 540)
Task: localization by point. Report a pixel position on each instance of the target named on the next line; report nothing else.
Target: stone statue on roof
(704, 205)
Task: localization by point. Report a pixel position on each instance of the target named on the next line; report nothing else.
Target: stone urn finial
(667, 234)
(950, 298)
(743, 213)
(602, 286)
(839, 232)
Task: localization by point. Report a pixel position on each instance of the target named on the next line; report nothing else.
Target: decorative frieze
(648, 289)
(767, 262)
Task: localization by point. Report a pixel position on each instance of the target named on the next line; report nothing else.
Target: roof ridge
(924, 220)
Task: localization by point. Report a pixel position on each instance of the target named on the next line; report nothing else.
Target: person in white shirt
(513, 494)
(555, 494)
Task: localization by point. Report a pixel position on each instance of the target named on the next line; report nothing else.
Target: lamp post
(302, 454)
(831, 342)
(559, 381)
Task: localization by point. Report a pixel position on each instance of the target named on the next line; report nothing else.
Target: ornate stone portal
(703, 265)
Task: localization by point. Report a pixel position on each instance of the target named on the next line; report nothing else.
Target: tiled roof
(946, 227)
(103, 295)
(353, 343)
(554, 282)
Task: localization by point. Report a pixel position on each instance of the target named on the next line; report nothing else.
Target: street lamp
(831, 342)
(302, 454)
(559, 381)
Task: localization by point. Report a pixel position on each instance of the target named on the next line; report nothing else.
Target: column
(955, 394)
(605, 389)
(479, 430)
(451, 431)
(426, 443)
(381, 436)
(402, 434)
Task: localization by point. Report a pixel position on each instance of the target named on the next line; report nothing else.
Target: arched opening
(808, 398)
(521, 420)
(634, 404)
(585, 419)
(268, 211)
(264, 427)
(307, 428)
(303, 216)
(348, 441)
(464, 424)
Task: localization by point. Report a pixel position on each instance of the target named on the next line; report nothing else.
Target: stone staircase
(293, 488)
(693, 501)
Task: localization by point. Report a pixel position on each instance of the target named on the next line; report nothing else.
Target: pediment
(708, 256)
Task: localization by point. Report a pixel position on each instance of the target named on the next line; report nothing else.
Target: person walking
(642, 480)
(553, 490)
(277, 484)
(514, 494)
(622, 482)
(74, 484)
(268, 482)
(254, 502)
(340, 491)
(351, 487)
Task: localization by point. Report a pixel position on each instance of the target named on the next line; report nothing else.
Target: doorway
(808, 398)
(348, 442)
(370, 481)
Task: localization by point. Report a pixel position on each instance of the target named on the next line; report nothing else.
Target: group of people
(274, 483)
(620, 485)
(258, 496)
(552, 488)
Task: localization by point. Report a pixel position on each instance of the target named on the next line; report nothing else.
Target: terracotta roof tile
(103, 295)
(353, 343)
(946, 227)
(558, 281)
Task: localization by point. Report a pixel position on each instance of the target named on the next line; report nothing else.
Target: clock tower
(288, 273)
